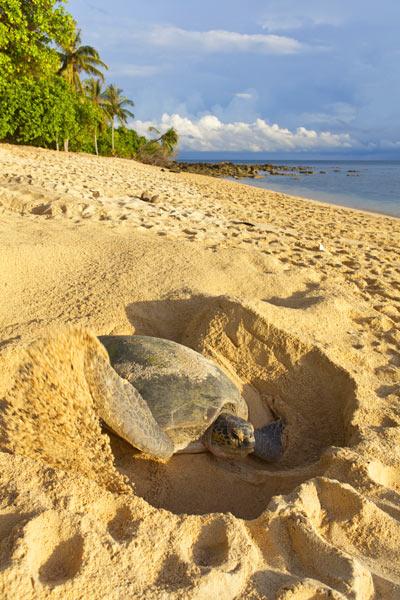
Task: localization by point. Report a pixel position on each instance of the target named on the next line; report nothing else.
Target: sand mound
(50, 414)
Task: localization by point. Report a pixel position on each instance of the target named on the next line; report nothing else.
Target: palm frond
(76, 59)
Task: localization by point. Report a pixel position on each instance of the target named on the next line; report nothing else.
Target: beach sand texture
(99, 246)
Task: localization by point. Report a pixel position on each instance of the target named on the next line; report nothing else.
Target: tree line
(53, 91)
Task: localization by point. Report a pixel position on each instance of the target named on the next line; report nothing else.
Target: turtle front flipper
(123, 409)
(269, 441)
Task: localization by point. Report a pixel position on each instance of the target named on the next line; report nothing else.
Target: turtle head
(230, 436)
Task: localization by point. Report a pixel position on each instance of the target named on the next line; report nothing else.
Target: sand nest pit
(52, 413)
(278, 376)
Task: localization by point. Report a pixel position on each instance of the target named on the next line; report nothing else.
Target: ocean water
(375, 186)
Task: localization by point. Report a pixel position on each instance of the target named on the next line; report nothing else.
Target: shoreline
(321, 202)
(262, 172)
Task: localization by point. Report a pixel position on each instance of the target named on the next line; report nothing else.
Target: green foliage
(127, 143)
(115, 106)
(160, 150)
(7, 109)
(89, 117)
(93, 89)
(27, 30)
(77, 59)
(169, 141)
(38, 112)
(152, 153)
(42, 98)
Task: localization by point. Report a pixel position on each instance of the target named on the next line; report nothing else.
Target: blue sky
(274, 76)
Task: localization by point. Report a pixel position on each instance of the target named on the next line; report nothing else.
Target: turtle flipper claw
(269, 441)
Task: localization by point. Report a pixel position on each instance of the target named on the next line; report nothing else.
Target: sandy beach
(297, 301)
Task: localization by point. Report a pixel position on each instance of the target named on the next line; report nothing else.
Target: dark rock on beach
(238, 170)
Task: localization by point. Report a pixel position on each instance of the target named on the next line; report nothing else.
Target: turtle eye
(237, 437)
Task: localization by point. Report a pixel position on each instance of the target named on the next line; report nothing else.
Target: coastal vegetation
(53, 90)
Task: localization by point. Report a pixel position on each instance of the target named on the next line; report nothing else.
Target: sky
(277, 77)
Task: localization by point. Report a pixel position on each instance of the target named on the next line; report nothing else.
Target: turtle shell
(184, 390)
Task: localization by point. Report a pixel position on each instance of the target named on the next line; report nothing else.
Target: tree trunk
(66, 143)
(95, 143)
(57, 145)
(112, 137)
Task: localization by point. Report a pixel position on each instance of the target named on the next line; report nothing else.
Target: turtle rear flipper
(124, 410)
(269, 441)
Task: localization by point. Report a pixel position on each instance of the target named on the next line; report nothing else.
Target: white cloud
(244, 95)
(135, 70)
(287, 15)
(242, 106)
(283, 22)
(335, 114)
(220, 41)
(211, 134)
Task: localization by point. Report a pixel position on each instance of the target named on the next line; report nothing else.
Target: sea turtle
(178, 401)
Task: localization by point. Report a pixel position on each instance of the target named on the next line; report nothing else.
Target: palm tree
(77, 59)
(115, 106)
(158, 150)
(94, 92)
(168, 140)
